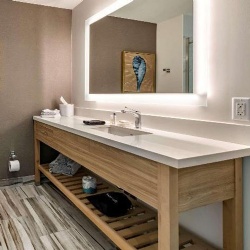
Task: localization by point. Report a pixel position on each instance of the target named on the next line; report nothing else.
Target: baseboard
(17, 180)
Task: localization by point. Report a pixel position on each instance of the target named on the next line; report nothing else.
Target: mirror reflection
(144, 47)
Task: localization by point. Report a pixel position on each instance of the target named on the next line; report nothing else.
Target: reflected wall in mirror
(160, 27)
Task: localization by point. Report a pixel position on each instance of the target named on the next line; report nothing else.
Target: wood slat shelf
(136, 230)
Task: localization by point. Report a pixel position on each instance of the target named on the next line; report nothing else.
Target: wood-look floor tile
(9, 210)
(40, 218)
(25, 191)
(45, 215)
(31, 190)
(33, 231)
(14, 202)
(68, 240)
(16, 192)
(13, 236)
(78, 220)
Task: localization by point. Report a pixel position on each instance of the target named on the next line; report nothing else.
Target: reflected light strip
(201, 41)
(106, 11)
(169, 99)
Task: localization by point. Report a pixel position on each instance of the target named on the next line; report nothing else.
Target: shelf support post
(168, 216)
(233, 214)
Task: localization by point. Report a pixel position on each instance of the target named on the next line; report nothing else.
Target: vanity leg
(233, 214)
(37, 162)
(168, 216)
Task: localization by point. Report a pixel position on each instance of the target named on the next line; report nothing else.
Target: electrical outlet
(241, 108)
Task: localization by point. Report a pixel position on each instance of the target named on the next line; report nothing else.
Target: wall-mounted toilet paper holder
(12, 156)
(13, 164)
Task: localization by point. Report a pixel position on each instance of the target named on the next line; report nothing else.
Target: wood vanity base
(168, 190)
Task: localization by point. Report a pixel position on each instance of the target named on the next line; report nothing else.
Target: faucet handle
(136, 114)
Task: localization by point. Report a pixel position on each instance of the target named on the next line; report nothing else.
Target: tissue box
(67, 109)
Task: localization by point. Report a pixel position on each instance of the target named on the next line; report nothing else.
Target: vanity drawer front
(206, 184)
(67, 143)
(133, 173)
(43, 130)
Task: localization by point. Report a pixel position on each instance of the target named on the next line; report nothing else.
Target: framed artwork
(138, 72)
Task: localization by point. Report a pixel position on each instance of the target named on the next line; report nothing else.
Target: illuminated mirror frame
(201, 48)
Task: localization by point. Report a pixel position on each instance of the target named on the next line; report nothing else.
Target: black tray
(94, 122)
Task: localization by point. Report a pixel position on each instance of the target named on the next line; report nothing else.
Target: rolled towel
(63, 165)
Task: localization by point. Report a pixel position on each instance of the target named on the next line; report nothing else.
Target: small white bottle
(113, 119)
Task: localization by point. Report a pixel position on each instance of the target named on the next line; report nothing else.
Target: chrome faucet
(136, 114)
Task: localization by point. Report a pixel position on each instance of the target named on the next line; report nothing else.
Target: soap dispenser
(113, 119)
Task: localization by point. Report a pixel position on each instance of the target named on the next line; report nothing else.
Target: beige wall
(229, 53)
(108, 38)
(35, 70)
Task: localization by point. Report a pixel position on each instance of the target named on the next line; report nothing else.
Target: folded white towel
(50, 112)
(50, 116)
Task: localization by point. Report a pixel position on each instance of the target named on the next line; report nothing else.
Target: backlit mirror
(158, 75)
(144, 47)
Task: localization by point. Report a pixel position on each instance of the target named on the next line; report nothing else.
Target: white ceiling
(64, 4)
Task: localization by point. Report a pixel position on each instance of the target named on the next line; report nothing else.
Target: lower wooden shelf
(136, 230)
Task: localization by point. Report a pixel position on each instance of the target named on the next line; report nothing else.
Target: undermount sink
(120, 131)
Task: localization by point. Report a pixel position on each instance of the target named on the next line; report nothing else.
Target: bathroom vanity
(170, 172)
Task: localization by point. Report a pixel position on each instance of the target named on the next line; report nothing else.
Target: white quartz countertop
(173, 149)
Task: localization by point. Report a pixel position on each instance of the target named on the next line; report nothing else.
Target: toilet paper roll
(14, 166)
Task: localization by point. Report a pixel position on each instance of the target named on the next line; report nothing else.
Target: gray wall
(35, 70)
(108, 38)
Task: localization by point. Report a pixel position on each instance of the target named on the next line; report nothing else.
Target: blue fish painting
(140, 68)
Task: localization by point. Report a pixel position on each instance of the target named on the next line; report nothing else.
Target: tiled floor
(42, 218)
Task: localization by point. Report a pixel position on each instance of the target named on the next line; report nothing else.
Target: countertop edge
(164, 159)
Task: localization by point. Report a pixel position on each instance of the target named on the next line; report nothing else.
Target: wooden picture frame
(138, 72)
